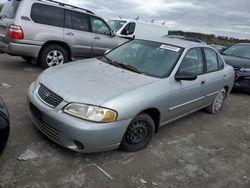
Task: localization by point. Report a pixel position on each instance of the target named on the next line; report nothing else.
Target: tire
(27, 59)
(217, 104)
(53, 55)
(138, 134)
(4, 133)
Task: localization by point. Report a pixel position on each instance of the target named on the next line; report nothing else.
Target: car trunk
(7, 16)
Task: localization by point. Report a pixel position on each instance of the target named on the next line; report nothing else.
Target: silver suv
(53, 33)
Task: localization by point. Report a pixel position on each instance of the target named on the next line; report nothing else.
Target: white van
(131, 29)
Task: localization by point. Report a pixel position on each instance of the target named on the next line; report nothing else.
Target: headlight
(245, 69)
(36, 83)
(90, 113)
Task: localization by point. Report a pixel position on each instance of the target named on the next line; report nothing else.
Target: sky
(220, 17)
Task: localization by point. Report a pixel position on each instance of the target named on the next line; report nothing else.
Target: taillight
(15, 32)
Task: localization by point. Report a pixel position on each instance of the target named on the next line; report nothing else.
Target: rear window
(9, 9)
(46, 14)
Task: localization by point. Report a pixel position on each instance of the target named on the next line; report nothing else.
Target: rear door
(7, 16)
(77, 33)
(215, 74)
(102, 39)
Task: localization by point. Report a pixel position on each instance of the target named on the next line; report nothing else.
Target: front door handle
(97, 38)
(70, 34)
(203, 82)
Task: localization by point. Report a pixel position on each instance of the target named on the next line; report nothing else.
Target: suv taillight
(15, 32)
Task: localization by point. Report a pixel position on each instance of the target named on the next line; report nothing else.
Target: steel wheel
(139, 133)
(54, 58)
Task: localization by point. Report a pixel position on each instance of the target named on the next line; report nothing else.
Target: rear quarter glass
(9, 9)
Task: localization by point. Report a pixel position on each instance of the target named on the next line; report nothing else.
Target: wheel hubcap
(54, 58)
(137, 132)
(219, 101)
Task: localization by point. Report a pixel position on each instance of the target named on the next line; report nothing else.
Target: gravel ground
(200, 150)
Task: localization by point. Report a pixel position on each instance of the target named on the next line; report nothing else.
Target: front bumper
(242, 81)
(69, 131)
(19, 49)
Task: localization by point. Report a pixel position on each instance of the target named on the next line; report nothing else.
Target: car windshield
(239, 50)
(9, 9)
(116, 24)
(145, 57)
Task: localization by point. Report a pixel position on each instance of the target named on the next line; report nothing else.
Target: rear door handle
(70, 34)
(97, 38)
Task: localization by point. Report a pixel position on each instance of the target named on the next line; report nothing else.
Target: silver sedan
(122, 98)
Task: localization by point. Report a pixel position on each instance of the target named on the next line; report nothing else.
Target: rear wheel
(139, 133)
(53, 55)
(218, 102)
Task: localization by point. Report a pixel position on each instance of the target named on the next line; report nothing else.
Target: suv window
(99, 26)
(9, 9)
(76, 20)
(46, 14)
(129, 29)
(211, 59)
(192, 62)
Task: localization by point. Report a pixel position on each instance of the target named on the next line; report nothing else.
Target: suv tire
(53, 55)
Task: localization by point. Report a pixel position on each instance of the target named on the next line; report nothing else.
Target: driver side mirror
(188, 76)
(113, 33)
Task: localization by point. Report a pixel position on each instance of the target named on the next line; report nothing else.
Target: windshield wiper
(131, 68)
(124, 66)
(3, 16)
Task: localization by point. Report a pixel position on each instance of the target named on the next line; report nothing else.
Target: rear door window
(80, 21)
(9, 9)
(211, 59)
(46, 14)
(77, 21)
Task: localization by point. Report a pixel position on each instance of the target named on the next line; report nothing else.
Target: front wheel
(139, 133)
(53, 55)
(218, 102)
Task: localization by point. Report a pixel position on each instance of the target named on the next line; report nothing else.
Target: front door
(102, 37)
(187, 96)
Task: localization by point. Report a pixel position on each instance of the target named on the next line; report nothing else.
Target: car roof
(176, 42)
(66, 6)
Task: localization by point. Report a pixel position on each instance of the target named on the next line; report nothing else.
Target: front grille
(49, 96)
(49, 131)
(244, 82)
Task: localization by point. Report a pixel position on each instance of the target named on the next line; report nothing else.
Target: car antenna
(137, 18)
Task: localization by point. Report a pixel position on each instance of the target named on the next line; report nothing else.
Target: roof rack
(68, 5)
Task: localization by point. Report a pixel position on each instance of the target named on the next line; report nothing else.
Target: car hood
(237, 62)
(92, 81)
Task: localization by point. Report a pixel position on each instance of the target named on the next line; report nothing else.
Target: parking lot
(200, 150)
